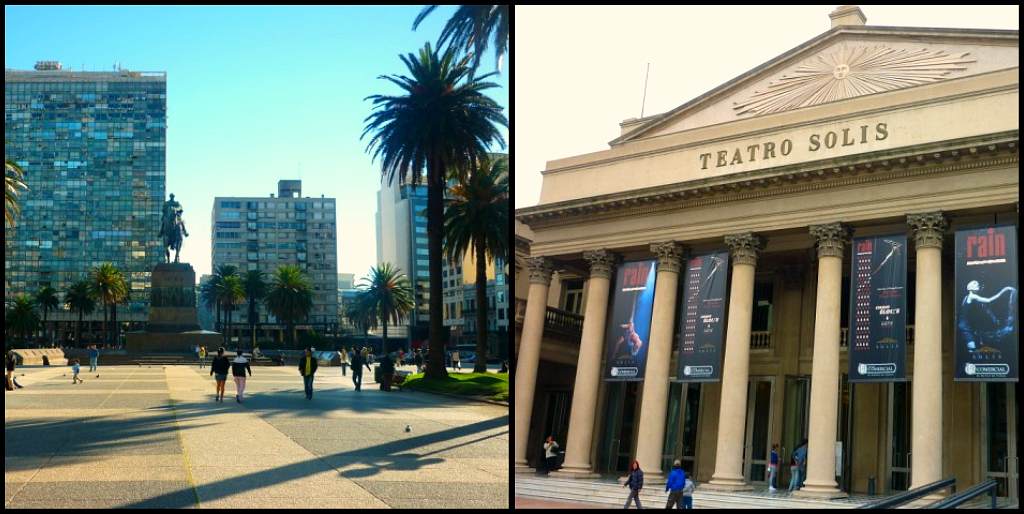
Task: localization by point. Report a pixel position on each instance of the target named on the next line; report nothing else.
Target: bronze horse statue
(172, 229)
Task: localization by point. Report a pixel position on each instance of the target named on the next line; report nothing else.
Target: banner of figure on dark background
(878, 309)
(629, 325)
(986, 297)
(703, 318)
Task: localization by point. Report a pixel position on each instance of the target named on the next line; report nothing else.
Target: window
(231, 205)
(230, 215)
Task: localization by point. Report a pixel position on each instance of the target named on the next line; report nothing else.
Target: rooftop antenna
(644, 101)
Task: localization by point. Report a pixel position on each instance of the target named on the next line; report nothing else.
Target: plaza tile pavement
(151, 437)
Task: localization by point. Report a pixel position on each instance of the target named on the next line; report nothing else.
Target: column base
(727, 484)
(575, 473)
(654, 478)
(524, 469)
(822, 492)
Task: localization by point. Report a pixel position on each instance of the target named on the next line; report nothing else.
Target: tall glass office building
(93, 147)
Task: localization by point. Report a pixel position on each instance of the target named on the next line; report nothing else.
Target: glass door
(556, 420)
(899, 436)
(759, 419)
(617, 441)
(999, 427)
(681, 429)
(794, 423)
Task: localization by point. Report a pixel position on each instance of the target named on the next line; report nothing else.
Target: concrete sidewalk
(154, 437)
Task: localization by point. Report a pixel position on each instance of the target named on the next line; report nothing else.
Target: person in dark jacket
(674, 485)
(307, 368)
(11, 362)
(387, 372)
(220, 367)
(635, 483)
(357, 369)
(238, 368)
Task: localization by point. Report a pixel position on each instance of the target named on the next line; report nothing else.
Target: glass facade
(93, 147)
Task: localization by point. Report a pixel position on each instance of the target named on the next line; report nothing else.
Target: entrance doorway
(616, 448)
(758, 431)
(681, 432)
(900, 414)
(794, 423)
(999, 436)
(556, 415)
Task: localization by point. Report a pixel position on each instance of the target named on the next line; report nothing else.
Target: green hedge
(492, 385)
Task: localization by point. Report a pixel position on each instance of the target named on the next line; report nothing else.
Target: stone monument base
(146, 342)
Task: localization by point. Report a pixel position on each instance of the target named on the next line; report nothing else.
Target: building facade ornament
(744, 247)
(850, 71)
(670, 256)
(540, 269)
(830, 239)
(602, 263)
(928, 229)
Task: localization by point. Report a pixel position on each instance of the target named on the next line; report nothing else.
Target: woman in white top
(550, 453)
(343, 355)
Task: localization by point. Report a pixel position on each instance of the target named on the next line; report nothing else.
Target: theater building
(860, 131)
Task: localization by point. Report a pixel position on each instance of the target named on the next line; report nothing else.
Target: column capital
(928, 228)
(602, 262)
(744, 247)
(540, 269)
(830, 239)
(670, 256)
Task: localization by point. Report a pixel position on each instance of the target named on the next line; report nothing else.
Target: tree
(359, 314)
(476, 219)
(108, 286)
(46, 299)
(441, 124)
(78, 299)
(388, 297)
(229, 293)
(21, 316)
(290, 297)
(208, 291)
(470, 28)
(255, 285)
(14, 179)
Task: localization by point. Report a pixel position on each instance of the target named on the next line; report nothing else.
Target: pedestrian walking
(195, 350)
(202, 356)
(219, 371)
(343, 357)
(635, 481)
(801, 461)
(11, 362)
(455, 360)
(688, 493)
(238, 368)
(307, 367)
(94, 357)
(674, 485)
(387, 372)
(357, 369)
(773, 467)
(418, 360)
(367, 358)
(550, 454)
(75, 368)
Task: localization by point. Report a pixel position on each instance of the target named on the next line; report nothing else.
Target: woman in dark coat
(635, 483)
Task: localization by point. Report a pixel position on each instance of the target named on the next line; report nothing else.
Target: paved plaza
(153, 437)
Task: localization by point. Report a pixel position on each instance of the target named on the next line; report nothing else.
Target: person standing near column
(551, 453)
(773, 467)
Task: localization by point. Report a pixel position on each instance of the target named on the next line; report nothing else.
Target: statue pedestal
(173, 320)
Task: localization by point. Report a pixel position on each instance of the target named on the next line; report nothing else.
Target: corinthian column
(728, 474)
(540, 269)
(588, 368)
(926, 430)
(821, 456)
(651, 435)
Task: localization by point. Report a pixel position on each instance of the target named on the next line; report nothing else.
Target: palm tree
(229, 293)
(255, 286)
(46, 299)
(442, 124)
(476, 219)
(108, 287)
(14, 178)
(359, 314)
(78, 299)
(290, 297)
(21, 316)
(471, 26)
(208, 292)
(388, 296)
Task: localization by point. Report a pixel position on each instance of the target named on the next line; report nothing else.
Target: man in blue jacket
(674, 486)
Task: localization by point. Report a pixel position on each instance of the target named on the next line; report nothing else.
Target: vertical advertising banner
(986, 304)
(702, 324)
(878, 309)
(629, 324)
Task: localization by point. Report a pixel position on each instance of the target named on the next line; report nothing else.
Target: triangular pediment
(841, 64)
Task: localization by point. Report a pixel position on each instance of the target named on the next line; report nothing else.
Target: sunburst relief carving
(849, 72)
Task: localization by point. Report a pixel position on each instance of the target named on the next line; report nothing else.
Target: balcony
(844, 336)
(760, 340)
(558, 323)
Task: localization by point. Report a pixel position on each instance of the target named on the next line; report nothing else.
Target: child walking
(75, 368)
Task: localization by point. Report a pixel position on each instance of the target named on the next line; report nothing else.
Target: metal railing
(556, 321)
(844, 336)
(953, 501)
(760, 340)
(911, 495)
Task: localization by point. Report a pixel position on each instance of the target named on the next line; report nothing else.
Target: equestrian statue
(172, 228)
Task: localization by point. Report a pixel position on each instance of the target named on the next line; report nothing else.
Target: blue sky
(253, 93)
